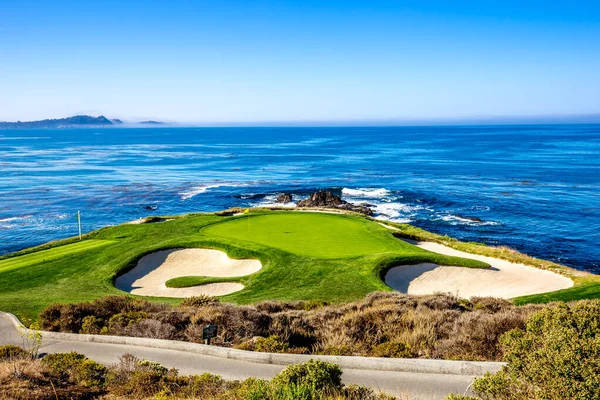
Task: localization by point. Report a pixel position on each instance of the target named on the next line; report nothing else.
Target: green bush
(392, 349)
(11, 352)
(61, 364)
(271, 344)
(557, 356)
(141, 379)
(461, 397)
(92, 325)
(122, 320)
(315, 374)
(250, 389)
(89, 374)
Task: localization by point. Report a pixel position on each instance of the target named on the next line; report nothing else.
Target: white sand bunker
(504, 279)
(151, 273)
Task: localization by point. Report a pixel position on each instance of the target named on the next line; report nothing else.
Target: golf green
(310, 234)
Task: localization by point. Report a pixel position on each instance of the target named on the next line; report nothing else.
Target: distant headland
(76, 121)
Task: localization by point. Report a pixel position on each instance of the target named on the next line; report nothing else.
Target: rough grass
(384, 324)
(86, 270)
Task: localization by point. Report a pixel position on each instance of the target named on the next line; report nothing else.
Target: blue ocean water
(533, 188)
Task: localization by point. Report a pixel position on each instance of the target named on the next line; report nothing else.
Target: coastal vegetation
(304, 256)
(555, 356)
(384, 324)
(74, 376)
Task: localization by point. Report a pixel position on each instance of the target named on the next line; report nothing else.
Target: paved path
(406, 385)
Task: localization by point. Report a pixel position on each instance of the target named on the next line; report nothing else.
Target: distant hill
(77, 121)
(151, 123)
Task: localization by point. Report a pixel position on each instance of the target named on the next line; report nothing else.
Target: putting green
(316, 235)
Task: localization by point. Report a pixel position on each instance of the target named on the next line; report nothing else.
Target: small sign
(209, 332)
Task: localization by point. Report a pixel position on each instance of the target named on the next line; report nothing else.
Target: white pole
(79, 223)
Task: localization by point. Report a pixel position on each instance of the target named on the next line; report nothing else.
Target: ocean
(532, 188)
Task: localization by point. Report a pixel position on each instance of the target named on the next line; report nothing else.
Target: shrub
(118, 322)
(314, 374)
(61, 364)
(199, 301)
(250, 389)
(392, 349)
(383, 324)
(11, 352)
(150, 328)
(557, 356)
(134, 378)
(89, 374)
(91, 325)
(271, 344)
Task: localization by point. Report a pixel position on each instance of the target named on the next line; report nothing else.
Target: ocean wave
(196, 190)
(271, 200)
(9, 219)
(398, 212)
(459, 220)
(371, 193)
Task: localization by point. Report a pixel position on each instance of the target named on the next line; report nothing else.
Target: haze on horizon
(236, 62)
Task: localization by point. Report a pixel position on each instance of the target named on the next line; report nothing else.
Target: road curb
(449, 367)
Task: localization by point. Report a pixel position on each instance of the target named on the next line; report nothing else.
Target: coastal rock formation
(284, 198)
(327, 199)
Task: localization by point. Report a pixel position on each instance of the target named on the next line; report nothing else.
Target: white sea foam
(398, 212)
(196, 190)
(370, 193)
(271, 200)
(12, 222)
(458, 220)
(9, 219)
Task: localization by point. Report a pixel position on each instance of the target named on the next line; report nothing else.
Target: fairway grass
(51, 254)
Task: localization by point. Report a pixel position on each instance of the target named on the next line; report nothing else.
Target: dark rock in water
(322, 198)
(327, 199)
(284, 198)
(150, 208)
(474, 219)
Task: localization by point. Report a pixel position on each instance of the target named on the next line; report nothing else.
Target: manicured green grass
(51, 254)
(317, 235)
(341, 259)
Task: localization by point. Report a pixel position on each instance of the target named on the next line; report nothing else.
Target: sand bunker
(151, 273)
(504, 279)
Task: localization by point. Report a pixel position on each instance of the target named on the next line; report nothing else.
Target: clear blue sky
(238, 61)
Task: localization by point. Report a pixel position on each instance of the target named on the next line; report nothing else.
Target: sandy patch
(505, 279)
(149, 276)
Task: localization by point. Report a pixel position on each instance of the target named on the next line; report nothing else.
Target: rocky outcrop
(327, 199)
(284, 198)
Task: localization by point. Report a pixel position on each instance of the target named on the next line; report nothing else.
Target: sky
(309, 60)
